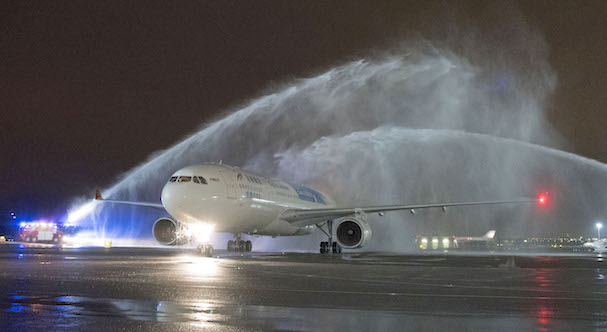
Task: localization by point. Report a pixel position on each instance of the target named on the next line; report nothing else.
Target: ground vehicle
(40, 232)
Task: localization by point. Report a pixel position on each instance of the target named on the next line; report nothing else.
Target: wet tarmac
(176, 290)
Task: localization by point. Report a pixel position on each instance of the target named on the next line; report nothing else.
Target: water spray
(429, 126)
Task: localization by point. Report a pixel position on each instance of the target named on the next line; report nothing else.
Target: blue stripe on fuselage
(310, 195)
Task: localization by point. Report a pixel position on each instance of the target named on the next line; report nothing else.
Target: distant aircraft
(461, 241)
(599, 246)
(488, 236)
(207, 198)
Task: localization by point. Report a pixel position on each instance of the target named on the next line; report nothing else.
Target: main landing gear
(240, 245)
(330, 246)
(205, 249)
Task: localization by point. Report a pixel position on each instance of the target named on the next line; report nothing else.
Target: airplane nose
(173, 198)
(179, 198)
(193, 197)
(169, 195)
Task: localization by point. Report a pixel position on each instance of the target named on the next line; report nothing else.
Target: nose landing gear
(240, 245)
(330, 246)
(205, 249)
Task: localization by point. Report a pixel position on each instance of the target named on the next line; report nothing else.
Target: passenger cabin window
(185, 179)
(254, 179)
(173, 179)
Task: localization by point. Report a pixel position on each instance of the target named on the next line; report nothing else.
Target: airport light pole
(598, 229)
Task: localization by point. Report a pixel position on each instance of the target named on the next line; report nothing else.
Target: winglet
(98, 194)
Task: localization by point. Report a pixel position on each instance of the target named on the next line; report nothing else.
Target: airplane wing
(303, 217)
(98, 197)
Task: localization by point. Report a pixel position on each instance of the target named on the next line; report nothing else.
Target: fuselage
(237, 201)
(487, 237)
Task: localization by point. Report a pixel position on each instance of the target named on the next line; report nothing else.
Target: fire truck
(40, 232)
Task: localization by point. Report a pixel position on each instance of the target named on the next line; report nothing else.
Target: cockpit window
(173, 179)
(185, 179)
(200, 179)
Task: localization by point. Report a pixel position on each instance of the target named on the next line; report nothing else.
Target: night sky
(89, 89)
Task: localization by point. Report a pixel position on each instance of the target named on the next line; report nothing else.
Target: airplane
(469, 241)
(215, 197)
(599, 246)
(488, 236)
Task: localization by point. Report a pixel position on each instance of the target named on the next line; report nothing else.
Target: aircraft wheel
(208, 250)
(248, 246)
(324, 248)
(241, 246)
(231, 245)
(336, 248)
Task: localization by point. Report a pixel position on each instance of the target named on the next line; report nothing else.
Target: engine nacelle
(352, 232)
(168, 232)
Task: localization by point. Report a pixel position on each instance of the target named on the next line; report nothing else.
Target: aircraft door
(230, 184)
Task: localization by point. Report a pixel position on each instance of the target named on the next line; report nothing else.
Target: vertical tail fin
(98, 194)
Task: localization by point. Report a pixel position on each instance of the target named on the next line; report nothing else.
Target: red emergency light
(542, 199)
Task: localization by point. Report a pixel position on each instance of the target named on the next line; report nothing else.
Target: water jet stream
(353, 127)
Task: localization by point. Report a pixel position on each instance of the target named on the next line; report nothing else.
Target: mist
(424, 121)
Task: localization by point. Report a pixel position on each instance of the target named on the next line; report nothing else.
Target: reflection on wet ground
(97, 289)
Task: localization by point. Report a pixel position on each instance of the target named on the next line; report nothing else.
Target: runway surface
(176, 290)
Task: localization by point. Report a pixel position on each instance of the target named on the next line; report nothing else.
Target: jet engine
(168, 232)
(352, 232)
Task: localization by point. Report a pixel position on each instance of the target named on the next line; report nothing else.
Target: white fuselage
(487, 237)
(236, 201)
